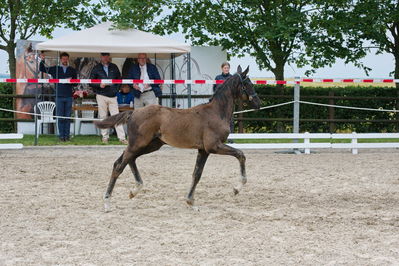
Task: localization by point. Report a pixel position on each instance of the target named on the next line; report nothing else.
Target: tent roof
(120, 43)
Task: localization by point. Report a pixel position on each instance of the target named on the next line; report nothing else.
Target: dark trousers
(64, 108)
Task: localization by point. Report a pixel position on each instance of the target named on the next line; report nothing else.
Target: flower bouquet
(79, 94)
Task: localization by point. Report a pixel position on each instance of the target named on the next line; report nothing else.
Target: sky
(381, 64)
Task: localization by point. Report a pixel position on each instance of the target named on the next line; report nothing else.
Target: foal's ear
(245, 72)
(239, 69)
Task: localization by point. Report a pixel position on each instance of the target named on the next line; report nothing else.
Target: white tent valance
(120, 43)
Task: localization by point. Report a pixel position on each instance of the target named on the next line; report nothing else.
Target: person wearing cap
(106, 94)
(64, 92)
(144, 94)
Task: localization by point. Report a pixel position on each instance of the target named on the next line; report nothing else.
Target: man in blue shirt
(106, 94)
(64, 92)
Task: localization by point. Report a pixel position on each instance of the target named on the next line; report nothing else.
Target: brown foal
(204, 127)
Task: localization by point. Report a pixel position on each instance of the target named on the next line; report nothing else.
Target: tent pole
(56, 94)
(173, 76)
(189, 78)
(36, 98)
(155, 63)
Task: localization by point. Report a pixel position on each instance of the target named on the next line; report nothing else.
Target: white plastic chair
(87, 116)
(46, 110)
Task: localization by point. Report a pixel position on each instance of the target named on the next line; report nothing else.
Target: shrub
(322, 113)
(6, 103)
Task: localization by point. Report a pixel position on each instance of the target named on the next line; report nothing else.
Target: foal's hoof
(236, 191)
(195, 208)
(131, 195)
(190, 201)
(107, 205)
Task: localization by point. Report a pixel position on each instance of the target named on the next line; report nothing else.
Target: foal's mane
(222, 97)
(220, 93)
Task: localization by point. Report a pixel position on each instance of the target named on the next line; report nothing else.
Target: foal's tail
(114, 120)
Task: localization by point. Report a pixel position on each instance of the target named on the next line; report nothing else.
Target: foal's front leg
(227, 150)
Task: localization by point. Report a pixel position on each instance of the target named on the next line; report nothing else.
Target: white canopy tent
(120, 43)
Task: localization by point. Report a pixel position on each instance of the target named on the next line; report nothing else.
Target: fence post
(354, 143)
(240, 116)
(397, 108)
(306, 141)
(297, 88)
(331, 111)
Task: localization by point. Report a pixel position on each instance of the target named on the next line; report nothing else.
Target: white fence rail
(307, 144)
(7, 146)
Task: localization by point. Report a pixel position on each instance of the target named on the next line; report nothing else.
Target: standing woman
(225, 74)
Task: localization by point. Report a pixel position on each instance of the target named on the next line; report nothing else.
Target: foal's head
(247, 91)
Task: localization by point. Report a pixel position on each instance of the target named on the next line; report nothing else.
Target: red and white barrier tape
(197, 81)
(351, 80)
(111, 81)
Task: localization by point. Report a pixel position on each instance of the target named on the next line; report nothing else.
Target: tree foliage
(268, 30)
(364, 26)
(376, 27)
(138, 14)
(22, 19)
(276, 32)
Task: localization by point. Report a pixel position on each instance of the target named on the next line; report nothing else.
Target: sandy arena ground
(329, 208)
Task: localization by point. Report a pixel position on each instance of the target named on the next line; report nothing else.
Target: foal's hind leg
(139, 181)
(154, 145)
(199, 166)
(227, 150)
(119, 165)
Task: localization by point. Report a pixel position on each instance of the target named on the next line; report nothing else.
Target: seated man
(124, 96)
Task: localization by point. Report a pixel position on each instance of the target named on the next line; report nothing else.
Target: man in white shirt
(144, 94)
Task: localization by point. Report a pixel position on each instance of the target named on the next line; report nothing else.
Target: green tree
(22, 19)
(276, 32)
(364, 26)
(330, 35)
(267, 30)
(376, 27)
(138, 14)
